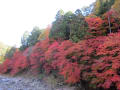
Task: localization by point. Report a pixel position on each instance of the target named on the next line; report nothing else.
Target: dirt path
(21, 83)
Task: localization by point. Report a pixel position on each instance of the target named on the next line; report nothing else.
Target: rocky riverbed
(31, 83)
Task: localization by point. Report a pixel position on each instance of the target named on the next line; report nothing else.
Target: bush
(94, 61)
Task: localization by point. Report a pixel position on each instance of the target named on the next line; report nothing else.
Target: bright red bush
(95, 61)
(37, 57)
(101, 26)
(6, 66)
(106, 69)
(95, 26)
(68, 58)
(71, 72)
(14, 65)
(20, 63)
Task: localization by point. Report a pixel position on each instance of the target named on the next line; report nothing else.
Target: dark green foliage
(58, 30)
(33, 37)
(78, 27)
(59, 26)
(69, 26)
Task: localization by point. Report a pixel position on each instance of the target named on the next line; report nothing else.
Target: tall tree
(102, 6)
(60, 26)
(78, 26)
(33, 37)
(70, 26)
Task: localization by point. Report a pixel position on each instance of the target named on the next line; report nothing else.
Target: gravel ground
(22, 83)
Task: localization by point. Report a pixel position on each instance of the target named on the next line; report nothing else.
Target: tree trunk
(109, 23)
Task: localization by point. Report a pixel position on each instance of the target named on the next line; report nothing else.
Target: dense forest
(82, 47)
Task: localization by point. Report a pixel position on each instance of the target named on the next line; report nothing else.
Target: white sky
(17, 16)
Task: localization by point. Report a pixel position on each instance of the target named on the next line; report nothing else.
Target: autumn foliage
(14, 65)
(95, 61)
(95, 26)
(100, 26)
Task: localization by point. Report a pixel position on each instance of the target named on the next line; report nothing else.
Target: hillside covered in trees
(83, 47)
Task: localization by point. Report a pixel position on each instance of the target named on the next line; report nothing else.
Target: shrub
(95, 26)
(106, 68)
(94, 61)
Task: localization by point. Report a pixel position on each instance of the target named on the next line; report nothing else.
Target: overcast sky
(17, 16)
